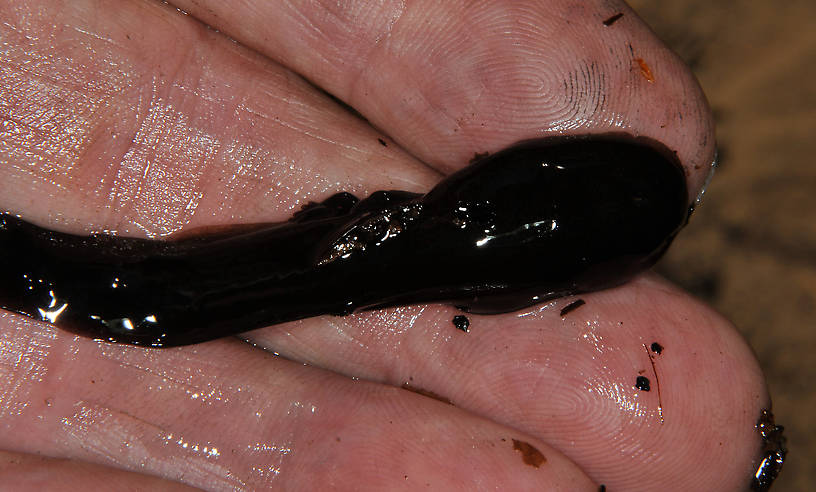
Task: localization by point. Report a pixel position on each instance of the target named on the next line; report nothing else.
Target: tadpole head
(583, 202)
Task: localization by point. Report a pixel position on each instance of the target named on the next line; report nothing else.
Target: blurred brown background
(750, 250)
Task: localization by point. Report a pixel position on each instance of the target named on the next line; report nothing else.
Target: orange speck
(645, 70)
(529, 454)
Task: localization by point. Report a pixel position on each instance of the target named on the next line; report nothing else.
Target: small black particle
(461, 322)
(382, 142)
(642, 383)
(608, 22)
(656, 347)
(572, 307)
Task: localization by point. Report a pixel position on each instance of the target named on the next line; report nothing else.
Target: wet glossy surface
(541, 219)
(461, 322)
(642, 383)
(774, 450)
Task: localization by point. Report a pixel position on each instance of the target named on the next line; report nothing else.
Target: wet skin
(541, 219)
(140, 118)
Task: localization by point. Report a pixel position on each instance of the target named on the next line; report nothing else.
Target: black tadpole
(542, 219)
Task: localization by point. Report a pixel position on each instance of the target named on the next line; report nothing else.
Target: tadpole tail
(162, 293)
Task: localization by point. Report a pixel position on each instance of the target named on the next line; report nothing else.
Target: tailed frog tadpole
(541, 219)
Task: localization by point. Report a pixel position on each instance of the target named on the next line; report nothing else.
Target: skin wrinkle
(197, 144)
(90, 87)
(351, 21)
(508, 62)
(156, 209)
(108, 435)
(23, 363)
(208, 392)
(392, 21)
(388, 326)
(136, 185)
(32, 125)
(302, 128)
(248, 179)
(585, 99)
(310, 132)
(318, 183)
(96, 36)
(25, 471)
(305, 19)
(89, 107)
(106, 428)
(266, 165)
(638, 33)
(196, 392)
(155, 127)
(483, 78)
(619, 392)
(379, 45)
(367, 77)
(569, 117)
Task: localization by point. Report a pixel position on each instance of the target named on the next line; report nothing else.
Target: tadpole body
(541, 219)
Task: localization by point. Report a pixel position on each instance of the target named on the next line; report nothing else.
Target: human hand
(137, 119)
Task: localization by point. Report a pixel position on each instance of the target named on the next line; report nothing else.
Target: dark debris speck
(572, 307)
(461, 322)
(642, 383)
(611, 20)
(428, 393)
(774, 450)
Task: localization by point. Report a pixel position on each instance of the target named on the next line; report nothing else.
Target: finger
(446, 79)
(20, 471)
(572, 380)
(132, 118)
(223, 415)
